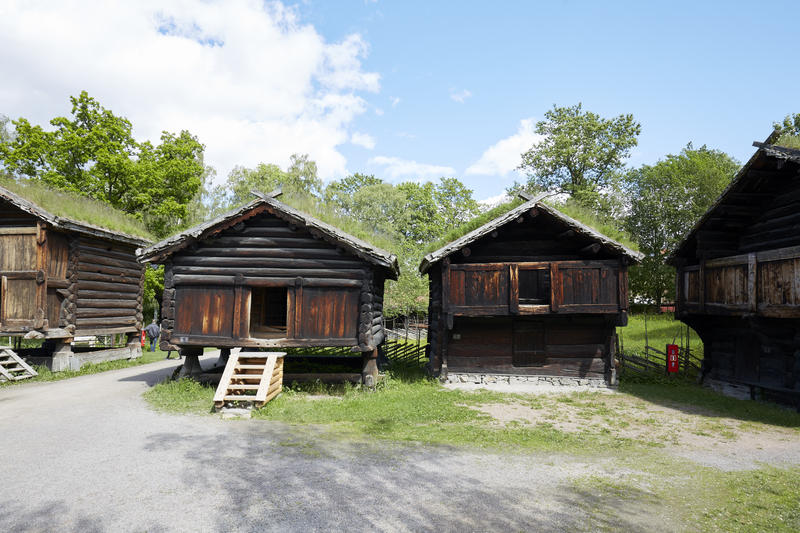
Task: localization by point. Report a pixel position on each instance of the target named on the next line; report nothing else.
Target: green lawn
(661, 330)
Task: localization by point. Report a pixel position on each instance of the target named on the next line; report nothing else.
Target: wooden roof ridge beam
(273, 194)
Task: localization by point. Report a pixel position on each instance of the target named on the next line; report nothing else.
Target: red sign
(672, 358)
(143, 338)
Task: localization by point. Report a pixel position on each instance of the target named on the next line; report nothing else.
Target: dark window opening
(268, 310)
(534, 287)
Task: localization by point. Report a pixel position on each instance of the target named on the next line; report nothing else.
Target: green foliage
(153, 291)
(580, 151)
(789, 126)
(94, 154)
(299, 179)
(662, 329)
(666, 201)
(75, 207)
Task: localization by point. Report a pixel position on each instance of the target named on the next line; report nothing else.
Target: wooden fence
(654, 361)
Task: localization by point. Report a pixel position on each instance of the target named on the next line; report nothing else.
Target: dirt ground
(702, 436)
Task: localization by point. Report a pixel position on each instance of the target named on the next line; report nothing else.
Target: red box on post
(672, 358)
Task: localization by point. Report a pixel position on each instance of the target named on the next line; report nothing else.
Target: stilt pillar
(369, 375)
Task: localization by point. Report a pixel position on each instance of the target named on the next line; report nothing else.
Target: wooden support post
(134, 344)
(191, 365)
(63, 358)
(555, 287)
(701, 281)
(513, 289)
(369, 375)
(752, 281)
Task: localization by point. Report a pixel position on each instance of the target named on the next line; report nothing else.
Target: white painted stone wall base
(556, 381)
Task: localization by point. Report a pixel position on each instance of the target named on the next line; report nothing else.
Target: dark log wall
(568, 346)
(107, 282)
(751, 351)
(59, 279)
(333, 297)
(738, 282)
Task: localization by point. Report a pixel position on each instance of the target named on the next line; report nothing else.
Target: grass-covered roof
(72, 207)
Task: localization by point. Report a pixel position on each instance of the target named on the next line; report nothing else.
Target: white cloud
(395, 100)
(494, 201)
(459, 96)
(252, 81)
(396, 167)
(363, 139)
(505, 155)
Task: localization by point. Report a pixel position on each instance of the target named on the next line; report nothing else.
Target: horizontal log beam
(344, 273)
(249, 281)
(101, 286)
(211, 250)
(233, 261)
(91, 312)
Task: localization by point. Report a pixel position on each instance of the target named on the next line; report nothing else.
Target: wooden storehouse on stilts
(61, 278)
(532, 294)
(269, 276)
(738, 278)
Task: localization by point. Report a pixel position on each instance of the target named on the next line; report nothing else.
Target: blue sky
(410, 90)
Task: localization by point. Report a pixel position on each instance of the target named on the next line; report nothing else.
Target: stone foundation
(733, 390)
(493, 379)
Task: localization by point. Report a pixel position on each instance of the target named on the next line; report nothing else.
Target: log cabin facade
(60, 278)
(532, 292)
(268, 276)
(738, 276)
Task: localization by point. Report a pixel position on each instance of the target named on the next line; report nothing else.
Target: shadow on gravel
(15, 516)
(152, 378)
(281, 477)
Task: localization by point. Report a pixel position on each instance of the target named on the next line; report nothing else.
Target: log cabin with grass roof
(532, 295)
(267, 276)
(738, 278)
(63, 277)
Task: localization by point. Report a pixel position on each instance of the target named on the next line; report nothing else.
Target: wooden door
(529, 343)
(23, 279)
(478, 289)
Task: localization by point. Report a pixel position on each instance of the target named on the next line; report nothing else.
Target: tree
(93, 153)
(339, 194)
(300, 179)
(666, 200)
(580, 152)
(789, 131)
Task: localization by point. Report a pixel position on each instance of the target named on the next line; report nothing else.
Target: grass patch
(418, 410)
(182, 396)
(46, 374)
(76, 207)
(682, 496)
(696, 398)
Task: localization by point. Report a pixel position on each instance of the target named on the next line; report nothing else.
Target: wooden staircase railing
(252, 378)
(12, 367)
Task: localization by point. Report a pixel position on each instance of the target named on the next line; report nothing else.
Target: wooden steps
(252, 378)
(12, 367)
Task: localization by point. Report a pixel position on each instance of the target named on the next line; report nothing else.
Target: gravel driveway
(88, 454)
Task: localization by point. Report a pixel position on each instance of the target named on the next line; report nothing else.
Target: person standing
(153, 331)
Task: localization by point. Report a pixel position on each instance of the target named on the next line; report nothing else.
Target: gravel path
(87, 454)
